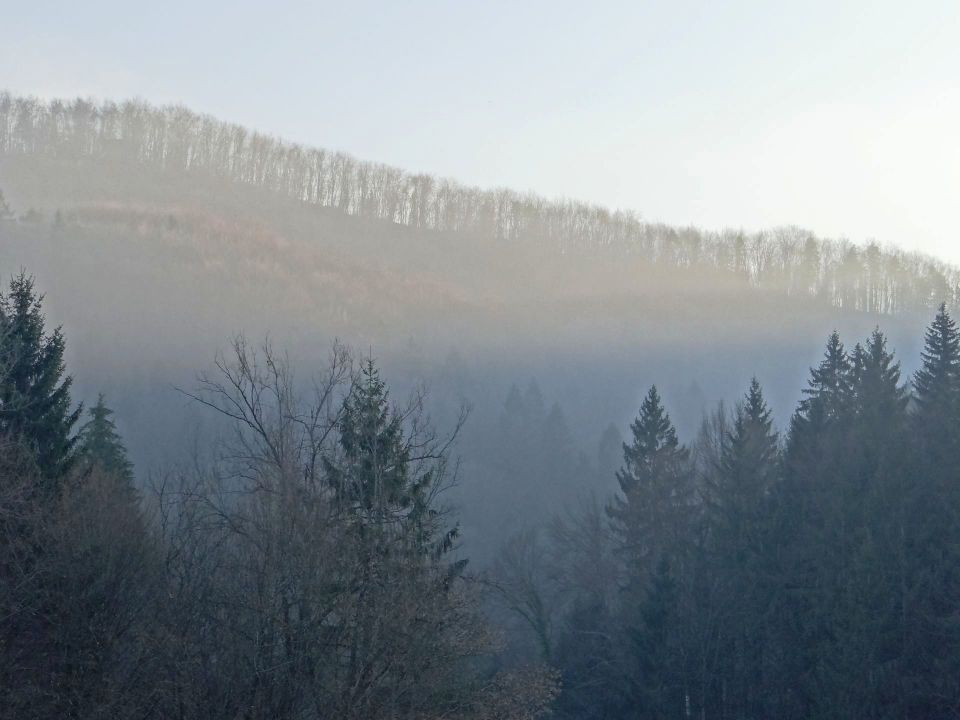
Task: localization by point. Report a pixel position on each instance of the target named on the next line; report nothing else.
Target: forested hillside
(749, 573)
(161, 234)
(595, 486)
(308, 566)
(178, 142)
(307, 572)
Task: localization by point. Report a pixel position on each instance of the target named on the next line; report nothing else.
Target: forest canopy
(310, 566)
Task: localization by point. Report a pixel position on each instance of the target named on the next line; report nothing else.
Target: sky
(840, 117)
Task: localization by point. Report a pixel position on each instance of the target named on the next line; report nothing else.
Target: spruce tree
(827, 397)
(930, 523)
(655, 501)
(653, 521)
(739, 496)
(35, 405)
(371, 476)
(862, 539)
(819, 432)
(100, 445)
(881, 500)
(813, 543)
(393, 551)
(748, 461)
(874, 437)
(937, 386)
(657, 686)
(879, 407)
(877, 379)
(739, 507)
(373, 473)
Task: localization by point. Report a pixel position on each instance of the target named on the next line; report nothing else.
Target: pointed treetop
(655, 446)
(937, 382)
(371, 473)
(877, 345)
(366, 413)
(755, 407)
(878, 391)
(751, 445)
(830, 385)
(35, 403)
(653, 428)
(101, 445)
(375, 478)
(753, 422)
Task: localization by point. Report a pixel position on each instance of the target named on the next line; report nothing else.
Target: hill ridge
(868, 278)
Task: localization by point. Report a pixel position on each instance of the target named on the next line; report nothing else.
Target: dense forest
(750, 574)
(308, 567)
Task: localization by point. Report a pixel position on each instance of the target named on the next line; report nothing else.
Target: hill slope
(157, 234)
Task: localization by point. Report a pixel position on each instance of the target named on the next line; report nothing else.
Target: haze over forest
(190, 259)
(222, 230)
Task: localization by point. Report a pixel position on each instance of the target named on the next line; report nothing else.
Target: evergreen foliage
(311, 572)
(658, 688)
(35, 405)
(374, 476)
(655, 499)
(937, 382)
(816, 580)
(100, 445)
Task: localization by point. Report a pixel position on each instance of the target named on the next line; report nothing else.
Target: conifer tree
(739, 496)
(747, 463)
(874, 436)
(881, 498)
(876, 379)
(653, 521)
(879, 405)
(813, 542)
(34, 392)
(655, 500)
(100, 445)
(371, 476)
(930, 523)
(827, 397)
(937, 386)
(861, 538)
(739, 510)
(402, 610)
(373, 473)
(657, 687)
(819, 432)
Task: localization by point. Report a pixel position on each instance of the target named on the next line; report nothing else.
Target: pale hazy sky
(843, 117)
